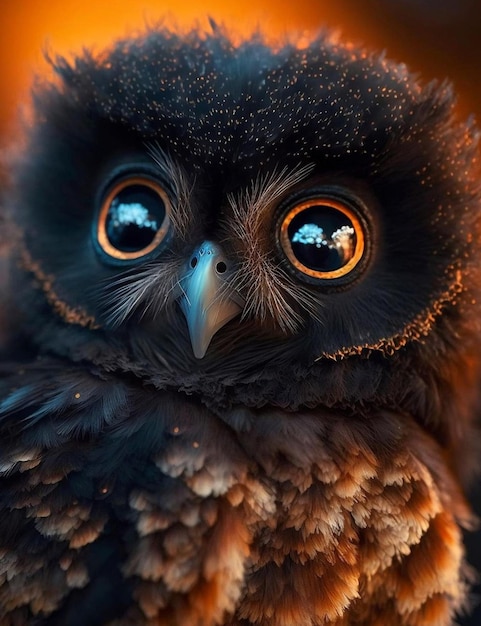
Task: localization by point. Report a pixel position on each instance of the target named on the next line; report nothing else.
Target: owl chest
(296, 520)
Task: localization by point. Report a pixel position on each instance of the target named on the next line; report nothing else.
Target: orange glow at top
(31, 27)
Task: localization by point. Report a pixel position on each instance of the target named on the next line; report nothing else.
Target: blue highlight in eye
(122, 214)
(310, 234)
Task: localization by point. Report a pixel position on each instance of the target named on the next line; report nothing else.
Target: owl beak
(207, 301)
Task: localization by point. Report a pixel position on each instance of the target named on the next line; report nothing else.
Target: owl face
(212, 213)
(319, 241)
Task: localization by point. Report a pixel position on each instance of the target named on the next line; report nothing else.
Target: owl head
(290, 226)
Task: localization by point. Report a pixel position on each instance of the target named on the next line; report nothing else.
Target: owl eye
(133, 219)
(322, 237)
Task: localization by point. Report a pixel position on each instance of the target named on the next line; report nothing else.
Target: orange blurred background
(437, 38)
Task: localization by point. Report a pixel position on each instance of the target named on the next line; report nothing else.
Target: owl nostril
(220, 266)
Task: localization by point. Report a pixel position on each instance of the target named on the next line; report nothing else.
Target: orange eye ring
(347, 242)
(162, 225)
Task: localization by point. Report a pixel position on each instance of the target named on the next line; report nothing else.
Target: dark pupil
(322, 238)
(134, 217)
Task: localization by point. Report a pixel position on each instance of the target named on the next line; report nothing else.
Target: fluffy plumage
(305, 462)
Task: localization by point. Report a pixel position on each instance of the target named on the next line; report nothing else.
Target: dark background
(435, 38)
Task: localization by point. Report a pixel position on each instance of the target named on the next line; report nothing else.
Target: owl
(242, 368)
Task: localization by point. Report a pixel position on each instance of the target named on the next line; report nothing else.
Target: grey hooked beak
(207, 301)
